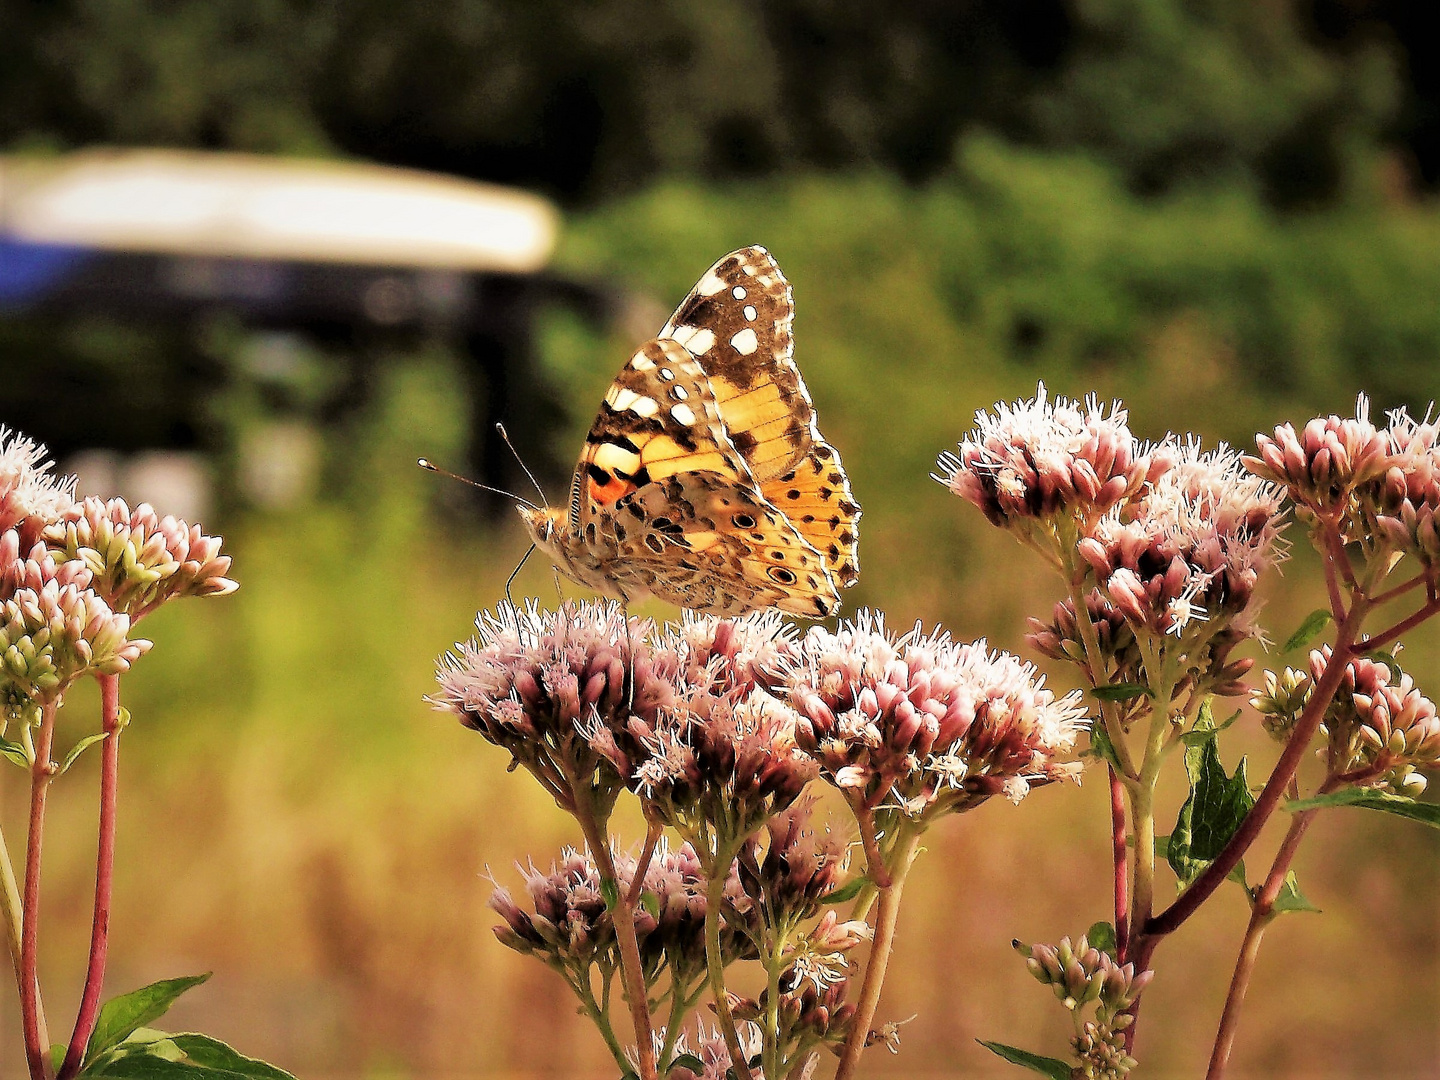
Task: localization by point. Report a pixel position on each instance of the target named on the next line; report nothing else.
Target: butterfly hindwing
(816, 500)
(738, 323)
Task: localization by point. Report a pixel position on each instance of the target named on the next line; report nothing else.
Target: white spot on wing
(698, 340)
(710, 284)
(667, 374)
(745, 342)
(621, 399)
(612, 457)
(679, 393)
(641, 362)
(750, 313)
(645, 406)
(738, 292)
(682, 414)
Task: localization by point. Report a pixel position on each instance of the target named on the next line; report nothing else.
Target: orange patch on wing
(610, 492)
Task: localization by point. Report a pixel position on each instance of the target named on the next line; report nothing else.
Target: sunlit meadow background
(1220, 213)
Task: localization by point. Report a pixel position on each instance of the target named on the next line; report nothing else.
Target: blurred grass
(294, 817)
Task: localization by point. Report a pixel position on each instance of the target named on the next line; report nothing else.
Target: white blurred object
(247, 206)
(96, 472)
(279, 464)
(174, 482)
(171, 481)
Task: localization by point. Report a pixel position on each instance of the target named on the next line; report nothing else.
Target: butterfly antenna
(426, 463)
(513, 574)
(506, 436)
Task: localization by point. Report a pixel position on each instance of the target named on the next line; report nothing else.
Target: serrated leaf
(848, 891)
(78, 749)
(1102, 747)
(1308, 630)
(1101, 935)
(122, 1015)
(15, 752)
(1290, 898)
(610, 893)
(1045, 1066)
(1213, 811)
(1124, 691)
(650, 902)
(1370, 799)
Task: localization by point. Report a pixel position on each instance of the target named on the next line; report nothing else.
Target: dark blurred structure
(355, 257)
(585, 101)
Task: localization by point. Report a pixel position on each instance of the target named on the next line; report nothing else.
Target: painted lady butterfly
(704, 480)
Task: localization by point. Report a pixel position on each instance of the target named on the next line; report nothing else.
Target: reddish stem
(1262, 912)
(1122, 866)
(37, 1054)
(1215, 874)
(1399, 590)
(104, 879)
(1403, 627)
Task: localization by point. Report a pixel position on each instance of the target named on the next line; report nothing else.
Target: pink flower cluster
(1040, 459)
(1192, 548)
(54, 628)
(1364, 479)
(708, 1048)
(1381, 728)
(570, 926)
(30, 496)
(791, 876)
(1322, 465)
(531, 680)
(925, 723)
(138, 559)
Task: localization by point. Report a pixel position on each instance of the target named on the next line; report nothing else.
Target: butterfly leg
(629, 656)
(513, 574)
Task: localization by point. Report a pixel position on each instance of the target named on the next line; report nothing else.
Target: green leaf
(1121, 691)
(848, 891)
(1101, 935)
(1102, 747)
(691, 1062)
(610, 893)
(1045, 1066)
(154, 1055)
(15, 752)
(1290, 898)
(57, 1056)
(1400, 805)
(650, 902)
(1308, 630)
(122, 1015)
(1216, 806)
(1205, 727)
(78, 749)
(1238, 876)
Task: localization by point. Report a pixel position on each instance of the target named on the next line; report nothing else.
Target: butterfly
(704, 480)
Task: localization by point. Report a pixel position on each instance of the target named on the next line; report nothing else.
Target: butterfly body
(704, 480)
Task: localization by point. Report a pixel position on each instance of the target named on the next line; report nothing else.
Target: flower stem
(1122, 865)
(1262, 914)
(42, 771)
(104, 878)
(907, 845)
(771, 1067)
(623, 918)
(719, 870)
(10, 901)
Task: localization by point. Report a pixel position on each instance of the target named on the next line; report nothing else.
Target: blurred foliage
(587, 100)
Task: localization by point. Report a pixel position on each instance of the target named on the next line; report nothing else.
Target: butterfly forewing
(738, 323)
